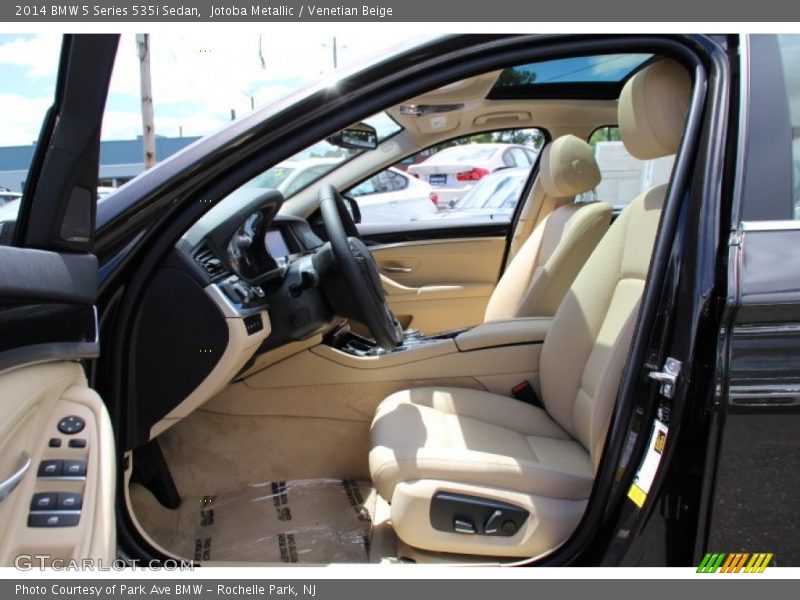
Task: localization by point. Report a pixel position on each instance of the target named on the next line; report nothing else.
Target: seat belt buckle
(524, 392)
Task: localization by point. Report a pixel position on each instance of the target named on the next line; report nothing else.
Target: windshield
(307, 166)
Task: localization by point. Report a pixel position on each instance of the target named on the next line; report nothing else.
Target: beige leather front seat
(539, 275)
(432, 448)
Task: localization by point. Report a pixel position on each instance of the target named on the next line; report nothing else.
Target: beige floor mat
(305, 521)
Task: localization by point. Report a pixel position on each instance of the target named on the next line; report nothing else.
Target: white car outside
(388, 196)
(392, 195)
(454, 170)
(8, 196)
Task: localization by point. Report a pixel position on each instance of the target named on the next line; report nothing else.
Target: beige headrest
(652, 110)
(568, 167)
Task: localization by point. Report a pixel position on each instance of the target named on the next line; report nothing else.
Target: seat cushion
(470, 436)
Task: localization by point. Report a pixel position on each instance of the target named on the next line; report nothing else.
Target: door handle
(398, 269)
(8, 486)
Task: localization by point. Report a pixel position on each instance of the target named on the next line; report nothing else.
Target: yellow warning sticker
(647, 470)
(637, 495)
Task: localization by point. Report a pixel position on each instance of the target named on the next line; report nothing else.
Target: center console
(493, 356)
(353, 344)
(510, 332)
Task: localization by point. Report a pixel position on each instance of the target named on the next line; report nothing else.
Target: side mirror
(356, 137)
(353, 209)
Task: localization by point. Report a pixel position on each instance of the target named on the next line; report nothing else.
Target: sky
(197, 78)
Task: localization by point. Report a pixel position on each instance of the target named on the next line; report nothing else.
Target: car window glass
(399, 182)
(29, 66)
(624, 177)
(790, 56)
(384, 185)
(365, 187)
(304, 168)
(520, 157)
(432, 185)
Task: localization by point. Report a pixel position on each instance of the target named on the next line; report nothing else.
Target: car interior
(308, 389)
(313, 444)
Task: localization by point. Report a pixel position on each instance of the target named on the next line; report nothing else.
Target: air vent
(206, 258)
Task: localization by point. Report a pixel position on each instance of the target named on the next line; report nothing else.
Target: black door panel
(47, 276)
(756, 484)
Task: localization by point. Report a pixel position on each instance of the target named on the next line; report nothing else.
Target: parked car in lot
(292, 175)
(494, 197)
(454, 170)
(7, 195)
(218, 372)
(394, 196)
(105, 190)
(388, 195)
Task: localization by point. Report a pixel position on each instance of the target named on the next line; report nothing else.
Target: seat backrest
(585, 351)
(536, 279)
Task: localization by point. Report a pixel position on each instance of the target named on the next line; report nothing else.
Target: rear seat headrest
(652, 110)
(568, 167)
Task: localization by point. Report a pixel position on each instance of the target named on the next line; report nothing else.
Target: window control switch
(44, 501)
(74, 468)
(69, 501)
(50, 519)
(51, 468)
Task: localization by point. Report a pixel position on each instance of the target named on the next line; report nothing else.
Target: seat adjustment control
(499, 524)
(461, 513)
(463, 526)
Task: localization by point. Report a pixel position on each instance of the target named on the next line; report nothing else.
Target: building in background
(120, 160)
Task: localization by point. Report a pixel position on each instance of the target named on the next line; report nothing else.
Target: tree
(515, 77)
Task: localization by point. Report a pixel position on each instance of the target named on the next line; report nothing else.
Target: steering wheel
(357, 267)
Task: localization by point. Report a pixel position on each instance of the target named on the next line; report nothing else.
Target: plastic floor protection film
(305, 521)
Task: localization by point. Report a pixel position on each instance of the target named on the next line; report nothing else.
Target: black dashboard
(241, 262)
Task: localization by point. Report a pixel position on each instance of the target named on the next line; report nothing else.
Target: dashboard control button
(54, 443)
(74, 468)
(77, 443)
(69, 501)
(253, 324)
(44, 501)
(51, 468)
(53, 519)
(71, 425)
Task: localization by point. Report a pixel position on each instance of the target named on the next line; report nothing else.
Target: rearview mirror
(356, 137)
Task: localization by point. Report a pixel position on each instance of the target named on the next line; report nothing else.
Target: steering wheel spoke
(359, 273)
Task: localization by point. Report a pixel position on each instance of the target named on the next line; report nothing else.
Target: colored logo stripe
(735, 562)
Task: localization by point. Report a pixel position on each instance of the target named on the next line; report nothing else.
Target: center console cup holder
(346, 341)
